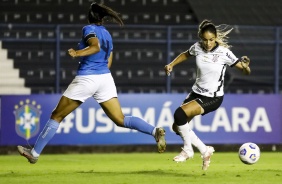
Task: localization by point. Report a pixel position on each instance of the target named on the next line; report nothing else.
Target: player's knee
(175, 128)
(180, 118)
(57, 116)
(119, 121)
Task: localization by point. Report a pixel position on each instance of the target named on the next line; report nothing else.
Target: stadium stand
(29, 33)
(239, 12)
(9, 76)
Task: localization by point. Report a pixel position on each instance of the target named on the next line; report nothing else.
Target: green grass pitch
(131, 168)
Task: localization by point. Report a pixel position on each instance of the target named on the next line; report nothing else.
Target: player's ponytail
(97, 12)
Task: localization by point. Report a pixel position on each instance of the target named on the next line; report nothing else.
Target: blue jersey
(95, 63)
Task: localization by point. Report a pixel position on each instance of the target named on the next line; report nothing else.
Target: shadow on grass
(146, 172)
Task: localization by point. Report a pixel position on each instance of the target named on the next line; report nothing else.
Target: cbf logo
(215, 57)
(27, 115)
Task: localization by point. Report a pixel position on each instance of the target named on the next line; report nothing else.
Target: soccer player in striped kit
(94, 79)
(212, 56)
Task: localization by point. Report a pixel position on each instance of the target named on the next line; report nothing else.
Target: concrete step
(9, 73)
(6, 65)
(14, 90)
(3, 53)
(11, 82)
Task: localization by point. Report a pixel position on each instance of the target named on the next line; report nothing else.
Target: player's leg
(64, 107)
(193, 137)
(195, 140)
(182, 115)
(113, 110)
(206, 151)
(209, 104)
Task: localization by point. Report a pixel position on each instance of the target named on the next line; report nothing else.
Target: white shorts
(100, 87)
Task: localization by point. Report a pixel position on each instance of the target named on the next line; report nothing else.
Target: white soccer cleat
(207, 157)
(183, 156)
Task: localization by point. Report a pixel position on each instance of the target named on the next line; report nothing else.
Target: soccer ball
(249, 153)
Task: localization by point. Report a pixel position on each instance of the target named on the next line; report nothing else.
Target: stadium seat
(39, 17)
(140, 53)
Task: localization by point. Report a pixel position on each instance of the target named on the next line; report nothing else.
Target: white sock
(154, 132)
(184, 131)
(197, 142)
(33, 152)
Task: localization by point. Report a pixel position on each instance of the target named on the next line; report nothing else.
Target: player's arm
(243, 65)
(179, 59)
(110, 60)
(93, 48)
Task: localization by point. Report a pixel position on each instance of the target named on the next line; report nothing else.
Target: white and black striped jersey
(211, 66)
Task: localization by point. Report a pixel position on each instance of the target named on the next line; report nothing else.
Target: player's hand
(245, 61)
(168, 69)
(72, 52)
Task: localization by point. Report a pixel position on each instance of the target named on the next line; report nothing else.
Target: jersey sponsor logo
(27, 118)
(200, 89)
(205, 58)
(230, 57)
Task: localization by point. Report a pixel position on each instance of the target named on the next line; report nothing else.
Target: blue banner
(241, 118)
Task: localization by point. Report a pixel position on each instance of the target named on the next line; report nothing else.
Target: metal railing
(169, 37)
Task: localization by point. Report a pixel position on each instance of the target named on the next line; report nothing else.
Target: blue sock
(139, 124)
(46, 135)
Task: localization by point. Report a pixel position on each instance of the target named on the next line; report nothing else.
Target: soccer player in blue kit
(93, 79)
(212, 56)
